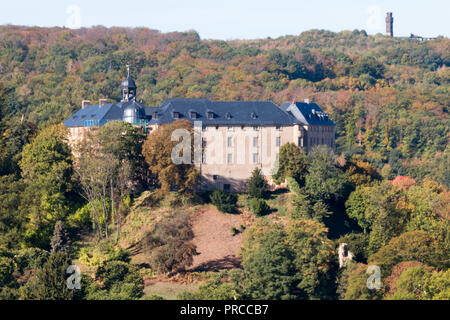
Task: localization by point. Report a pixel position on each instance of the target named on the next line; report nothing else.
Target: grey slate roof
(99, 115)
(224, 113)
(307, 113)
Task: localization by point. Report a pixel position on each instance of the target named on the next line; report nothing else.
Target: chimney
(102, 102)
(306, 100)
(85, 103)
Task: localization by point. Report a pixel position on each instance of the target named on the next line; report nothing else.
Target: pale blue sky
(236, 19)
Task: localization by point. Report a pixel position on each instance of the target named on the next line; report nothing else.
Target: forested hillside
(123, 211)
(388, 96)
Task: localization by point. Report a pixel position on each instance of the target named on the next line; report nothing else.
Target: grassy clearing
(169, 290)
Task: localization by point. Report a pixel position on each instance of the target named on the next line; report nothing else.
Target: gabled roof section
(307, 113)
(94, 113)
(225, 112)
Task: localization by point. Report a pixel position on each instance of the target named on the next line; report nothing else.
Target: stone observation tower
(389, 25)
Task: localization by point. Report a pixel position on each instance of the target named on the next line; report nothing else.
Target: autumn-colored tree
(157, 150)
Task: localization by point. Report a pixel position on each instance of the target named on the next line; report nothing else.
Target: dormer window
(155, 115)
(253, 115)
(193, 115)
(228, 116)
(176, 115)
(210, 115)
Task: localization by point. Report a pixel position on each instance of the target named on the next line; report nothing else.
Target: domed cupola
(128, 87)
(133, 113)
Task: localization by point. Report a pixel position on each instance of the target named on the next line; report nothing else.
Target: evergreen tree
(51, 280)
(257, 184)
(60, 241)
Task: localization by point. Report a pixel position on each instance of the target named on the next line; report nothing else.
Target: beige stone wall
(231, 153)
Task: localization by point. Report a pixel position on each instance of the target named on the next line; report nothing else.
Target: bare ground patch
(216, 246)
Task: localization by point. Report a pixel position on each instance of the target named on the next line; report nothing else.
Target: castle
(236, 136)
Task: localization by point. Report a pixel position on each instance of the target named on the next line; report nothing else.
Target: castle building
(236, 136)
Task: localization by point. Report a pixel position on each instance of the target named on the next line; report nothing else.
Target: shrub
(169, 244)
(257, 184)
(259, 206)
(224, 201)
(234, 231)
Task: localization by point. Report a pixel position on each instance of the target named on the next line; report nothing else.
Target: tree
(378, 210)
(169, 244)
(50, 280)
(324, 180)
(297, 261)
(292, 162)
(47, 171)
(120, 281)
(224, 201)
(352, 284)
(269, 269)
(257, 184)
(109, 166)
(60, 241)
(218, 288)
(415, 245)
(315, 258)
(157, 150)
(259, 206)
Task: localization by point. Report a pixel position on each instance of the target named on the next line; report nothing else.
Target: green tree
(259, 206)
(292, 162)
(257, 184)
(224, 201)
(269, 269)
(324, 180)
(50, 280)
(47, 171)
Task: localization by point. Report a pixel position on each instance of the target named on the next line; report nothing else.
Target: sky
(236, 19)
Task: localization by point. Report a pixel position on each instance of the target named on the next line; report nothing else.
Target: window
(193, 115)
(242, 127)
(210, 115)
(176, 115)
(203, 128)
(230, 158)
(226, 187)
(255, 158)
(255, 128)
(155, 115)
(229, 141)
(217, 127)
(278, 128)
(215, 177)
(278, 142)
(203, 157)
(255, 141)
(203, 142)
(230, 128)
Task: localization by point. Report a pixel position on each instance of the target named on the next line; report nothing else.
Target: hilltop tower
(389, 25)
